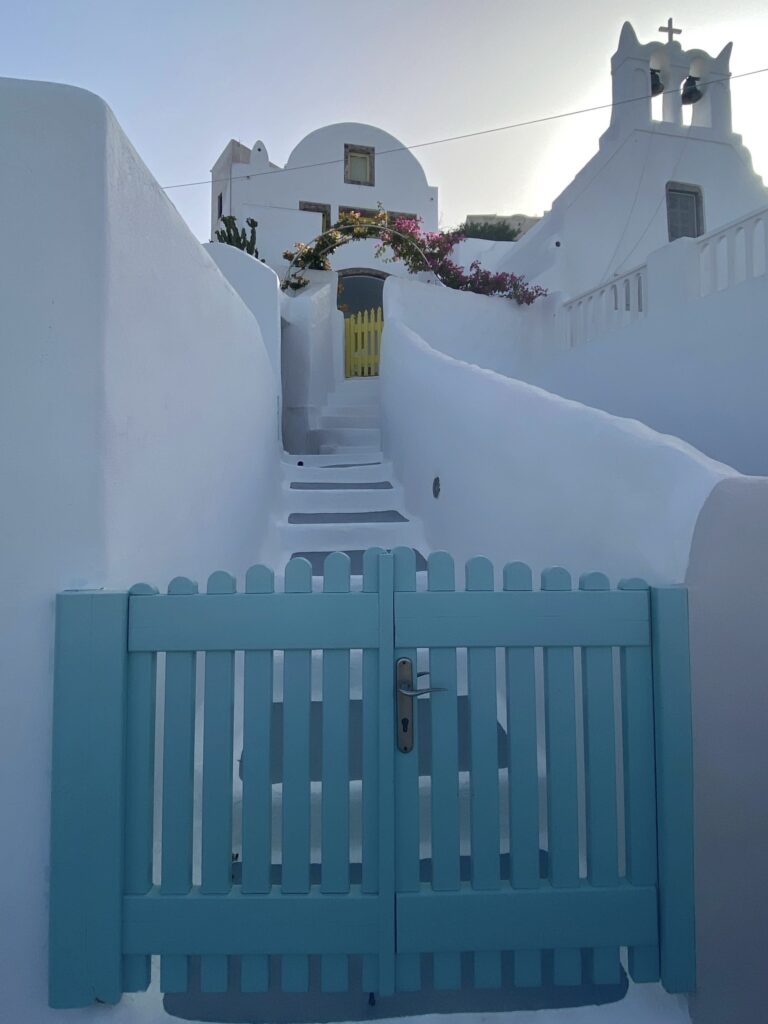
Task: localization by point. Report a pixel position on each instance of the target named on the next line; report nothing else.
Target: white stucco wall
(693, 366)
(314, 172)
(129, 366)
(491, 331)
(528, 475)
(727, 583)
(313, 355)
(259, 288)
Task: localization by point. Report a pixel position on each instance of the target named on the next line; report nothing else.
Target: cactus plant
(231, 235)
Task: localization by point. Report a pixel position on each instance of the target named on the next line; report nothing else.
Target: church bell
(691, 91)
(657, 86)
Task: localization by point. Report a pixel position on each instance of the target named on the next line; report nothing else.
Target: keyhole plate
(404, 683)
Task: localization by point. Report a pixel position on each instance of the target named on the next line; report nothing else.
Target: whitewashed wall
(727, 582)
(692, 365)
(489, 331)
(259, 288)
(313, 355)
(528, 475)
(128, 367)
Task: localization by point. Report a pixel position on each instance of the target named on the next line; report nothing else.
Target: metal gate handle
(420, 693)
(406, 694)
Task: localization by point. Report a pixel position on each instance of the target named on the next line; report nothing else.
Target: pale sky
(185, 76)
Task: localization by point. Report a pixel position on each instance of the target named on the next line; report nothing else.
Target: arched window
(359, 290)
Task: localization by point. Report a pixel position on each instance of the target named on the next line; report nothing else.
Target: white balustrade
(734, 253)
(612, 305)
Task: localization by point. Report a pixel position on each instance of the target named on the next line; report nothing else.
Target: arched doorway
(360, 299)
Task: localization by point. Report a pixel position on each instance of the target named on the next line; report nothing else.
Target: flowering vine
(404, 241)
(431, 250)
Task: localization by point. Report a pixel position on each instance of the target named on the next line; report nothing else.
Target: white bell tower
(705, 78)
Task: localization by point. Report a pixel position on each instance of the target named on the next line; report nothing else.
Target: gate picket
(296, 850)
(384, 576)
(178, 786)
(600, 777)
(639, 782)
(444, 808)
(218, 722)
(485, 838)
(407, 865)
(139, 790)
(522, 759)
(562, 798)
(370, 765)
(334, 973)
(258, 689)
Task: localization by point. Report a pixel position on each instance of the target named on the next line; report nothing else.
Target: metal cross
(671, 32)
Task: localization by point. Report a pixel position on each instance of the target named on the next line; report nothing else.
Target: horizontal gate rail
(541, 918)
(535, 619)
(251, 622)
(273, 923)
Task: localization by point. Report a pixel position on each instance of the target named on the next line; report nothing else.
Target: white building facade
(334, 169)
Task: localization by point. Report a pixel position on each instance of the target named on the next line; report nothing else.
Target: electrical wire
(455, 138)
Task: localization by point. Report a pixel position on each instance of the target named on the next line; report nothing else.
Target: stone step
(389, 515)
(368, 418)
(337, 468)
(348, 452)
(350, 436)
(342, 497)
(346, 536)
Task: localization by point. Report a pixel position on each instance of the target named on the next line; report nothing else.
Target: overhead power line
(452, 138)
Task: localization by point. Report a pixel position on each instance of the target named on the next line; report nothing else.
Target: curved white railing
(727, 256)
(614, 304)
(734, 253)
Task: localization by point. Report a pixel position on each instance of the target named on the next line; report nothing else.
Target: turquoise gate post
(674, 786)
(86, 876)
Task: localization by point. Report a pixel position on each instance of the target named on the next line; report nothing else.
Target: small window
(358, 165)
(323, 208)
(220, 205)
(392, 216)
(685, 211)
(365, 214)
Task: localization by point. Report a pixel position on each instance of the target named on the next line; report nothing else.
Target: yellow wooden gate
(362, 343)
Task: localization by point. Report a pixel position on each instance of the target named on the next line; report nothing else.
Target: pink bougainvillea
(419, 250)
(431, 251)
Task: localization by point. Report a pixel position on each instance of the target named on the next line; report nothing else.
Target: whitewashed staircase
(349, 422)
(346, 498)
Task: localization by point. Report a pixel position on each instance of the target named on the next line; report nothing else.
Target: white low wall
(488, 331)
(313, 354)
(727, 582)
(528, 475)
(139, 442)
(259, 288)
(690, 365)
(694, 367)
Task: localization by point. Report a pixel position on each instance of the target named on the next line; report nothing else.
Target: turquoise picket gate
(535, 803)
